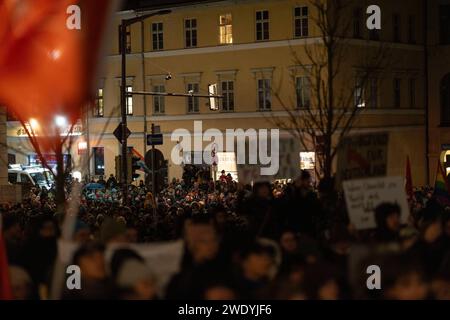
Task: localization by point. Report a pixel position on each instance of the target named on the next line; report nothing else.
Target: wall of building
(247, 60)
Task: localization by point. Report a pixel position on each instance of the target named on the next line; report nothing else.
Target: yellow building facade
(248, 49)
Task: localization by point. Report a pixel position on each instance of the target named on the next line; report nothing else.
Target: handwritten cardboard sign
(364, 195)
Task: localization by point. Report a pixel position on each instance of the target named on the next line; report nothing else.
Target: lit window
(129, 100)
(99, 107)
(127, 40)
(226, 28)
(359, 93)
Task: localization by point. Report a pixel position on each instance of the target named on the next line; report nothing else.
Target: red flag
(409, 184)
(5, 285)
(49, 66)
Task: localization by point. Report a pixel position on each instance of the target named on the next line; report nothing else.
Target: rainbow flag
(141, 162)
(441, 188)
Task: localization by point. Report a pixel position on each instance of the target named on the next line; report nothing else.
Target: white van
(30, 175)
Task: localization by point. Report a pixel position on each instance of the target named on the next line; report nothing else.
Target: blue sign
(154, 139)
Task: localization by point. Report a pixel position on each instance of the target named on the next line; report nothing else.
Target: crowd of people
(266, 241)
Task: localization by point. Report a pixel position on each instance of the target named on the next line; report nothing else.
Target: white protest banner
(162, 258)
(364, 195)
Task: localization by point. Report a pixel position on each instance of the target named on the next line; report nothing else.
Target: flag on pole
(409, 184)
(49, 53)
(441, 187)
(141, 161)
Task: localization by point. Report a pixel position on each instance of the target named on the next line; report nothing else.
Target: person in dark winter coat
(40, 249)
(94, 281)
(387, 218)
(301, 205)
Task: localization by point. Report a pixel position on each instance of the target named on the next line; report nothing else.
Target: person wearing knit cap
(135, 281)
(82, 232)
(21, 283)
(112, 231)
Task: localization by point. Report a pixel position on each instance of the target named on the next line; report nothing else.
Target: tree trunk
(327, 170)
(60, 198)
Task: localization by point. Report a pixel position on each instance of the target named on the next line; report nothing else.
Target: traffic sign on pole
(118, 132)
(154, 139)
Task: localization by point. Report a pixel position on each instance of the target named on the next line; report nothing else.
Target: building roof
(154, 4)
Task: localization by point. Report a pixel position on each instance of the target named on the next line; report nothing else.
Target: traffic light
(135, 166)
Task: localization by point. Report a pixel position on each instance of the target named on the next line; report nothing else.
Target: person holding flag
(441, 187)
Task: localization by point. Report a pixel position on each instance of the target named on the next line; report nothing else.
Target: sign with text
(307, 160)
(364, 195)
(155, 139)
(362, 156)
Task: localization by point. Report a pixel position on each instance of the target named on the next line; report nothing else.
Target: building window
(190, 31)
(99, 160)
(397, 92)
(360, 99)
(157, 36)
(374, 35)
(396, 25)
(373, 99)
(159, 101)
(11, 158)
(226, 28)
(301, 22)
(264, 94)
(227, 91)
(444, 23)
(192, 102)
(357, 21)
(127, 41)
(129, 100)
(262, 25)
(10, 115)
(99, 106)
(411, 29)
(445, 100)
(412, 92)
(303, 93)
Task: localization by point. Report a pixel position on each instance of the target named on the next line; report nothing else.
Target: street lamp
(61, 121)
(123, 94)
(34, 124)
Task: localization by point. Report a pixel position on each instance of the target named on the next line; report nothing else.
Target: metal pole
(153, 175)
(427, 91)
(144, 86)
(173, 94)
(123, 109)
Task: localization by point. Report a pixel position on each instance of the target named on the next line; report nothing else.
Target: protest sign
(162, 258)
(361, 156)
(364, 195)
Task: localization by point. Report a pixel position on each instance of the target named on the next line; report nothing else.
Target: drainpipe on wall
(88, 146)
(426, 74)
(144, 86)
